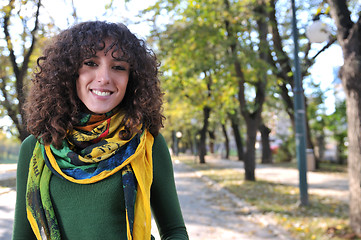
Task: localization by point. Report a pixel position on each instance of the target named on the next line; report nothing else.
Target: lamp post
(299, 111)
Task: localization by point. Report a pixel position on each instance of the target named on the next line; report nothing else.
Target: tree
(192, 53)
(15, 67)
(214, 41)
(349, 38)
(251, 111)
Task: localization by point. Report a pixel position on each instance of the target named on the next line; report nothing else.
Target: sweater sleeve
(164, 200)
(22, 229)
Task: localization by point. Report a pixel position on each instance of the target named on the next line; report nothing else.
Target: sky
(127, 13)
(323, 72)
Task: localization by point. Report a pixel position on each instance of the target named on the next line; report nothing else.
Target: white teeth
(100, 93)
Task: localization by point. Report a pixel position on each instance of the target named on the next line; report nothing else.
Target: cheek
(123, 84)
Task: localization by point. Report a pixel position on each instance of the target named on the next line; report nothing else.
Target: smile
(100, 93)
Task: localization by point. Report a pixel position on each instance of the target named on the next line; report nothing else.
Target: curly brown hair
(53, 106)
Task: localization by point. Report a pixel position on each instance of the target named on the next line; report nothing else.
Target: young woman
(95, 164)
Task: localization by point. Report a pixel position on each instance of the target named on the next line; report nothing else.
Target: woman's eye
(119, 68)
(90, 63)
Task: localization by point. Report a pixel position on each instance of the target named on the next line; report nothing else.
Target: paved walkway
(7, 201)
(7, 171)
(211, 212)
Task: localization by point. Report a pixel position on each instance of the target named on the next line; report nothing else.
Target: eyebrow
(113, 59)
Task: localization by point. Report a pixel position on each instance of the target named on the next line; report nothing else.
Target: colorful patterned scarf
(93, 151)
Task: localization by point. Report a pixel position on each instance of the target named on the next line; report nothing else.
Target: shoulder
(30, 140)
(161, 157)
(159, 141)
(25, 154)
(160, 147)
(28, 144)
(26, 151)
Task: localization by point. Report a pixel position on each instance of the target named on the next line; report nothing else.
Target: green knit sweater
(97, 211)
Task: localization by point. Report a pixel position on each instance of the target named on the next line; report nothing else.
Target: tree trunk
(237, 137)
(321, 146)
(349, 37)
(212, 140)
(250, 156)
(189, 145)
(203, 133)
(354, 156)
(174, 143)
(266, 148)
(226, 141)
(340, 159)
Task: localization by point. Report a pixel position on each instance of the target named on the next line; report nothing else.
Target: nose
(103, 75)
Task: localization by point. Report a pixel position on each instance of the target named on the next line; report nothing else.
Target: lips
(101, 93)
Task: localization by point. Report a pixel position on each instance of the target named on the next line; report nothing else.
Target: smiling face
(102, 81)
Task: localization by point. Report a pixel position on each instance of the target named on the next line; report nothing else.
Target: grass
(324, 167)
(324, 218)
(332, 167)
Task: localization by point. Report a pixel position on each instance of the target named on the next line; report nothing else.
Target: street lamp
(318, 32)
(300, 119)
(179, 134)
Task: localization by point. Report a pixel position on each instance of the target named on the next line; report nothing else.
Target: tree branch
(309, 61)
(340, 13)
(8, 39)
(332, 40)
(34, 39)
(25, 65)
(282, 58)
(7, 104)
